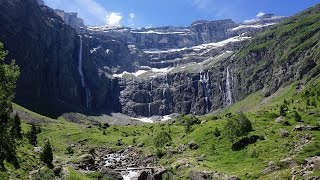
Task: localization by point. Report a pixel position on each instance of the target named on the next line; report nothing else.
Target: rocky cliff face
(71, 19)
(47, 50)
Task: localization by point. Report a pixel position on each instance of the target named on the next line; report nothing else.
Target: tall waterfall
(228, 88)
(204, 79)
(149, 106)
(83, 83)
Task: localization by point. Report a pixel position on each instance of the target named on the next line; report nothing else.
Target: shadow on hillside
(53, 108)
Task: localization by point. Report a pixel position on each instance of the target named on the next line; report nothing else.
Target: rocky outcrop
(40, 2)
(71, 19)
(211, 31)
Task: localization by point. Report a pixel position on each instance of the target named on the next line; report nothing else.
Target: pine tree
(33, 135)
(8, 77)
(16, 129)
(47, 155)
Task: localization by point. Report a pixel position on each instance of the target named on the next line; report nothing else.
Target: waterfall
(164, 100)
(204, 79)
(149, 109)
(80, 63)
(83, 83)
(151, 83)
(228, 88)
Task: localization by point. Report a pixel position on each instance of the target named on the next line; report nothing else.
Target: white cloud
(91, 11)
(131, 15)
(260, 14)
(114, 19)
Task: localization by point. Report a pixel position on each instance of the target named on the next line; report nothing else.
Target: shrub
(237, 126)
(242, 143)
(161, 138)
(46, 174)
(283, 110)
(297, 117)
(188, 121)
(70, 150)
(217, 132)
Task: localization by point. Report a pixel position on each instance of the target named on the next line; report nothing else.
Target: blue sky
(154, 13)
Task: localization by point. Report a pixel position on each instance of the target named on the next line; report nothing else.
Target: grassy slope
(296, 35)
(219, 156)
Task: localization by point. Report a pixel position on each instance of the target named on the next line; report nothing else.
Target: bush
(46, 174)
(283, 110)
(188, 121)
(297, 117)
(237, 126)
(161, 138)
(242, 143)
(217, 132)
(70, 150)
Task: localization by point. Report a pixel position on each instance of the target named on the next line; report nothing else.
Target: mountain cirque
(139, 72)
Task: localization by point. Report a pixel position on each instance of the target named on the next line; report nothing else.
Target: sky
(155, 13)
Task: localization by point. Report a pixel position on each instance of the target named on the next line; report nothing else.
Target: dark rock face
(185, 93)
(211, 31)
(47, 50)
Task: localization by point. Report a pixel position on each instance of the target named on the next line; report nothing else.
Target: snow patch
(166, 118)
(203, 46)
(154, 119)
(156, 32)
(256, 26)
(144, 119)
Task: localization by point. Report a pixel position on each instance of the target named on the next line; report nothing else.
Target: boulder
(302, 127)
(140, 144)
(201, 157)
(158, 174)
(111, 174)
(57, 170)
(283, 133)
(38, 150)
(271, 167)
(282, 120)
(194, 175)
(86, 159)
(192, 145)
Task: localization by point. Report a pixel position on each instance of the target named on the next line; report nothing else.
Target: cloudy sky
(153, 13)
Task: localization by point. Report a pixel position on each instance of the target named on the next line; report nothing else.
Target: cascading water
(204, 79)
(164, 100)
(228, 88)
(150, 94)
(149, 109)
(83, 83)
